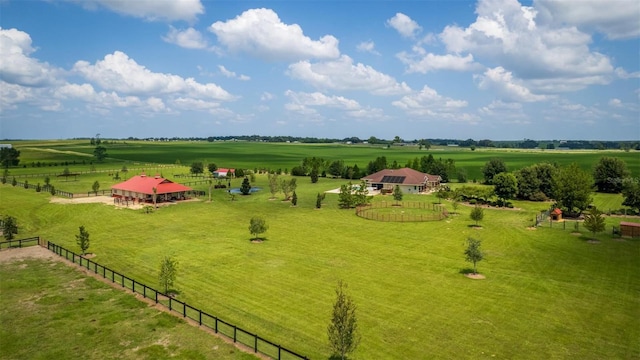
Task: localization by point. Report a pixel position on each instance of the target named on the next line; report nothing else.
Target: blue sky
(497, 69)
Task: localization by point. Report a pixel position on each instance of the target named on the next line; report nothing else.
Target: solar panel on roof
(393, 179)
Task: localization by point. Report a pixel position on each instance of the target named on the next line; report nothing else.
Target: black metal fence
(219, 326)
(44, 188)
(431, 212)
(149, 167)
(19, 243)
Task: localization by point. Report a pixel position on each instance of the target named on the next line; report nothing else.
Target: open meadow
(548, 292)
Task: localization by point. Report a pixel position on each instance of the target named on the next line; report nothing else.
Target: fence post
(255, 343)
(199, 316)
(235, 330)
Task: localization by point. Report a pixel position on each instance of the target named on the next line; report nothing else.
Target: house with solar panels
(410, 181)
(140, 188)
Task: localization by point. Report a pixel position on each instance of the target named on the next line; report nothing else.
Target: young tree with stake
(168, 273)
(473, 253)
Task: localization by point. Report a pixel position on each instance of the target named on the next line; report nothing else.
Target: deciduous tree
(197, 168)
(257, 226)
(397, 194)
(477, 214)
(572, 189)
(274, 184)
(609, 174)
(9, 156)
(342, 331)
(505, 186)
(100, 153)
(473, 253)
(345, 197)
(631, 193)
(492, 168)
(168, 273)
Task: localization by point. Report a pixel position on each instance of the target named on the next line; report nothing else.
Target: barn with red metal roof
(141, 187)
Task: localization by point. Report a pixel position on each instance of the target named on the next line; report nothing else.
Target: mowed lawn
(547, 293)
(50, 310)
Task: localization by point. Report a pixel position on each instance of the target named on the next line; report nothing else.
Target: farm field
(52, 311)
(547, 294)
(250, 155)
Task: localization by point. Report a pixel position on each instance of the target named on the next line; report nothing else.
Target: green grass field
(547, 293)
(52, 311)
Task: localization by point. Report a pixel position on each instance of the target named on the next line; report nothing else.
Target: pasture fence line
(371, 211)
(42, 175)
(20, 242)
(43, 188)
(239, 335)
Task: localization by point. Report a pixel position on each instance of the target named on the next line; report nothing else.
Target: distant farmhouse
(410, 181)
(141, 187)
(223, 173)
(2, 146)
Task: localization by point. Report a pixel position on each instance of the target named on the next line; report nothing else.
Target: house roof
(145, 184)
(556, 211)
(404, 176)
(632, 224)
(221, 170)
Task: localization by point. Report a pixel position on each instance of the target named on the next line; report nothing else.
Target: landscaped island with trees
(269, 237)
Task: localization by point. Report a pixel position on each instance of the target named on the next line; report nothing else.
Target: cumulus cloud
(17, 66)
(231, 74)
(505, 112)
(617, 19)
(404, 25)
(261, 33)
(367, 46)
(343, 74)
(503, 82)
(165, 10)
(188, 39)
(428, 103)
(509, 34)
(120, 73)
(320, 99)
(422, 62)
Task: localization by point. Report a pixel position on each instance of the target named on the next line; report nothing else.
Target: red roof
(556, 211)
(411, 177)
(145, 184)
(632, 224)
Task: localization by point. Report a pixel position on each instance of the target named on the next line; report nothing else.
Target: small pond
(237, 190)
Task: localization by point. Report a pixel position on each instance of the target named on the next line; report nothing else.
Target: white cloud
(267, 96)
(427, 103)
(320, 99)
(504, 83)
(505, 112)
(342, 74)
(615, 103)
(404, 25)
(423, 63)
(261, 33)
(231, 74)
(618, 19)
(169, 10)
(512, 35)
(17, 67)
(12, 94)
(120, 73)
(367, 46)
(189, 38)
(623, 74)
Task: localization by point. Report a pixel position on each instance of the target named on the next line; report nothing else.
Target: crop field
(548, 293)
